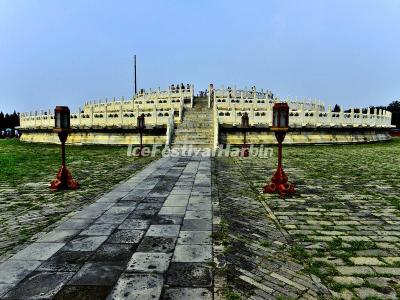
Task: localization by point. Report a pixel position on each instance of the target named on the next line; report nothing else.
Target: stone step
(192, 143)
(193, 127)
(194, 147)
(181, 138)
(180, 130)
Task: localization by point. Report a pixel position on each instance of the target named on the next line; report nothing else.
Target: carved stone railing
(87, 120)
(156, 105)
(309, 118)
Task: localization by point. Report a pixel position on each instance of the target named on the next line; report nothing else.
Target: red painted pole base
(64, 181)
(279, 184)
(244, 151)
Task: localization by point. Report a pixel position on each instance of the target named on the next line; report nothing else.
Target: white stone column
(341, 116)
(79, 117)
(121, 117)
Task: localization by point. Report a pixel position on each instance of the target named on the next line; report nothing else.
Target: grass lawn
(26, 203)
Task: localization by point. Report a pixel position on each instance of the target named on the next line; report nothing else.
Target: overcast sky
(66, 52)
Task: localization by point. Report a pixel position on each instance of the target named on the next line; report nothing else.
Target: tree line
(9, 120)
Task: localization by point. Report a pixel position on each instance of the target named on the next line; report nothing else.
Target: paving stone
(198, 214)
(59, 236)
(112, 219)
(138, 287)
(4, 288)
(118, 210)
(199, 206)
(163, 230)
(172, 210)
(75, 224)
(192, 253)
(368, 293)
(196, 225)
(382, 281)
(126, 236)
(88, 214)
(113, 252)
(130, 203)
(137, 224)
(392, 260)
(145, 214)
(38, 251)
(179, 197)
(148, 205)
(356, 270)
(149, 262)
(387, 270)
(99, 229)
(97, 274)
(40, 285)
(65, 261)
(12, 271)
(157, 244)
(168, 220)
(85, 243)
(348, 280)
(83, 292)
(194, 237)
(189, 275)
(187, 293)
(367, 261)
(174, 203)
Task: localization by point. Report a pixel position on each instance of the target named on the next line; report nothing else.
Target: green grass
(22, 162)
(26, 170)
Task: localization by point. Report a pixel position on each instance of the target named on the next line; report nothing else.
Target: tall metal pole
(135, 75)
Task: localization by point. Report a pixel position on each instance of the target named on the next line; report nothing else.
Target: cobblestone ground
(148, 238)
(27, 205)
(257, 252)
(343, 223)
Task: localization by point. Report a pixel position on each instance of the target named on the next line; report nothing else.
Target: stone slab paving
(344, 220)
(148, 238)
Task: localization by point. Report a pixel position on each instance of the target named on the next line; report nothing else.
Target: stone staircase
(196, 129)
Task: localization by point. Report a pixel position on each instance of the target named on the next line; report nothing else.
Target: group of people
(179, 88)
(203, 93)
(9, 133)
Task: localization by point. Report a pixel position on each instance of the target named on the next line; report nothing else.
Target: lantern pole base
(279, 184)
(244, 151)
(64, 181)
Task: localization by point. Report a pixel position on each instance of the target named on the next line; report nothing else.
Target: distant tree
(9, 120)
(1, 120)
(394, 108)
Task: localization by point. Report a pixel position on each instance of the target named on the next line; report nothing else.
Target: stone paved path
(257, 251)
(148, 238)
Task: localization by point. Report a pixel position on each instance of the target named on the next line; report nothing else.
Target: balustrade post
(329, 116)
(352, 117)
(341, 116)
(79, 117)
(91, 116)
(121, 117)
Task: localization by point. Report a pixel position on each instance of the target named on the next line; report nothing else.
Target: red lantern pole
(244, 151)
(140, 126)
(279, 181)
(64, 178)
(141, 143)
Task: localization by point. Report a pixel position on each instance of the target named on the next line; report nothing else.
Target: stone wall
(264, 136)
(90, 137)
